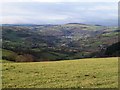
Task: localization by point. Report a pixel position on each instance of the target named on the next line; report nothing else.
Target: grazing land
(81, 73)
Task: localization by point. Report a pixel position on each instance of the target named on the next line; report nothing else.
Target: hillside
(113, 49)
(57, 42)
(83, 73)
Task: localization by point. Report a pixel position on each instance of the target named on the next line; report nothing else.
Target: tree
(24, 58)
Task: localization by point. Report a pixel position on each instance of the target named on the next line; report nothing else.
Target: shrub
(24, 58)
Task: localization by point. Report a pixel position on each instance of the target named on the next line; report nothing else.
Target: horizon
(60, 24)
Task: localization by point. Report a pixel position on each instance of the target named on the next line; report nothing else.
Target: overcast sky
(103, 13)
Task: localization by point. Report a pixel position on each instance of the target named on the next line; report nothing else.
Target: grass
(5, 61)
(84, 73)
(7, 52)
(110, 34)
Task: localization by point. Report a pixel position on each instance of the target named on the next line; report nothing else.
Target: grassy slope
(5, 61)
(86, 73)
(7, 52)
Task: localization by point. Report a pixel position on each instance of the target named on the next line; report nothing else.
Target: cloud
(106, 8)
(60, 1)
(13, 19)
(59, 12)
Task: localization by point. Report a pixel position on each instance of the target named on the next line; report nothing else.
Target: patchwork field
(84, 73)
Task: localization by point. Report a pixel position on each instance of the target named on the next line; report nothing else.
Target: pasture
(81, 73)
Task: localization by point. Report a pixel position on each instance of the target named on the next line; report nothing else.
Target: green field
(84, 73)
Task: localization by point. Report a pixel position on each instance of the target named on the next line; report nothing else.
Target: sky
(59, 12)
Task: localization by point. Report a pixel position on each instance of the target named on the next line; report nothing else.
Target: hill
(83, 73)
(113, 50)
(57, 42)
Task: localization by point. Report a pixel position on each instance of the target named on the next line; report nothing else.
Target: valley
(57, 42)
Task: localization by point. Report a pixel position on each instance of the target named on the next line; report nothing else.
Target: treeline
(18, 55)
(12, 56)
(111, 51)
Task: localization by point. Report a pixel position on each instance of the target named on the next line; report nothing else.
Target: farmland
(80, 73)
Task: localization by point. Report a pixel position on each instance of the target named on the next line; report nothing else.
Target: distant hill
(58, 42)
(18, 24)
